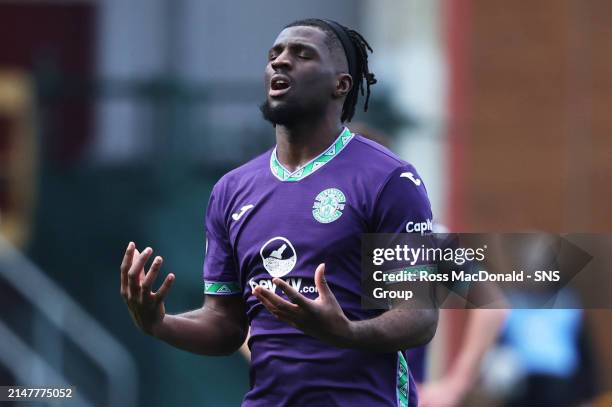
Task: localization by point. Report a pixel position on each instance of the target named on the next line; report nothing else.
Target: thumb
(321, 282)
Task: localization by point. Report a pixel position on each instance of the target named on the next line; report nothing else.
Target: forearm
(482, 331)
(396, 329)
(202, 331)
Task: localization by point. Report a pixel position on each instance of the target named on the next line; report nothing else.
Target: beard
(290, 113)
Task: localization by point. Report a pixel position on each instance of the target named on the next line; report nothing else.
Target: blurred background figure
(117, 117)
(551, 352)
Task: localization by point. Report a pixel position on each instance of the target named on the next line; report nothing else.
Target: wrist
(351, 334)
(158, 328)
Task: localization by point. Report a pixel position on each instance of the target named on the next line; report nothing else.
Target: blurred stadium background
(117, 117)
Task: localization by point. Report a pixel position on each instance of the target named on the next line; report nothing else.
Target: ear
(344, 84)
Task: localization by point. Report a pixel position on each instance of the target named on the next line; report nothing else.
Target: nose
(281, 61)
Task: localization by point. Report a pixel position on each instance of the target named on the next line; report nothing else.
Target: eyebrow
(294, 45)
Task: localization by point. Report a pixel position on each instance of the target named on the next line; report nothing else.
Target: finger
(294, 296)
(151, 275)
(274, 310)
(321, 282)
(165, 287)
(126, 263)
(125, 266)
(276, 301)
(269, 306)
(135, 271)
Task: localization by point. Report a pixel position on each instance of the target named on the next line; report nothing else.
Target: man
(300, 207)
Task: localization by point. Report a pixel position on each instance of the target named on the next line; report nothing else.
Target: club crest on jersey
(278, 256)
(328, 205)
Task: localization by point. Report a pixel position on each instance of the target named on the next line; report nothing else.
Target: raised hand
(322, 318)
(146, 307)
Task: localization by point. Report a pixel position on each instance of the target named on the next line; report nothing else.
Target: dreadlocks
(355, 47)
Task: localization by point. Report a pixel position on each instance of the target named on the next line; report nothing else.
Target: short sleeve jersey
(264, 221)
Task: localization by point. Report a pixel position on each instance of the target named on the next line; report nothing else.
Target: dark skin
(301, 57)
(218, 328)
(317, 76)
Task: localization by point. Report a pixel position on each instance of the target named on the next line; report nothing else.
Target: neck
(300, 143)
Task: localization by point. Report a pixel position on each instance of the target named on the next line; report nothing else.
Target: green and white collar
(319, 161)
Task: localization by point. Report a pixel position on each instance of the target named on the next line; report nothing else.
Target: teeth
(278, 84)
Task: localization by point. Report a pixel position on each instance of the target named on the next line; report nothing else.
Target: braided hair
(355, 47)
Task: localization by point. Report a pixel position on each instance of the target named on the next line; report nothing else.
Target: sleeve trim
(221, 287)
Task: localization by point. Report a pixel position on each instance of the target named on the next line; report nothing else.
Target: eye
(273, 53)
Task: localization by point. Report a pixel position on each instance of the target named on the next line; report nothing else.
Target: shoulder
(375, 160)
(377, 163)
(378, 153)
(243, 175)
(397, 192)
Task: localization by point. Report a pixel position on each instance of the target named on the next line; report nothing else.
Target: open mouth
(279, 85)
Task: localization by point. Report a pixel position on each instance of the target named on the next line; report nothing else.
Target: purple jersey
(264, 221)
(416, 358)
